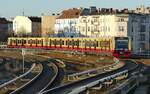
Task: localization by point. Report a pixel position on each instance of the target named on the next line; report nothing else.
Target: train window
(33, 42)
(24, 41)
(66, 42)
(19, 41)
(14, 41)
(30, 41)
(96, 43)
(55, 42)
(62, 42)
(77, 43)
(42, 42)
(50, 42)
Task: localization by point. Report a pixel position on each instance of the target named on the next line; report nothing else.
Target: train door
(89, 43)
(95, 44)
(10, 42)
(73, 43)
(77, 43)
(61, 43)
(42, 43)
(30, 42)
(16, 42)
(50, 43)
(22, 42)
(55, 43)
(85, 44)
(36, 43)
(67, 42)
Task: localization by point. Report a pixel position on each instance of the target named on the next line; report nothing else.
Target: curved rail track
(65, 89)
(39, 83)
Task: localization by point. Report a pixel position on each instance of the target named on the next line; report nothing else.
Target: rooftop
(35, 19)
(3, 21)
(70, 13)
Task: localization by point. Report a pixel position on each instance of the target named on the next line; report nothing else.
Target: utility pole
(23, 54)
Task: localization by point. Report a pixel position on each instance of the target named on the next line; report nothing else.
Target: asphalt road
(67, 88)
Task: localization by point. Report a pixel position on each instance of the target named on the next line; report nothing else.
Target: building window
(88, 28)
(142, 46)
(121, 28)
(142, 37)
(143, 28)
(108, 28)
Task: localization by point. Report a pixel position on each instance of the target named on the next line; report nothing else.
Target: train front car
(122, 47)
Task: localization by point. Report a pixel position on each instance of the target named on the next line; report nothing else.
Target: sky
(12, 8)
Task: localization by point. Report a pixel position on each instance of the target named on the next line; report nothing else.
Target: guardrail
(125, 87)
(11, 81)
(100, 81)
(95, 70)
(113, 77)
(92, 84)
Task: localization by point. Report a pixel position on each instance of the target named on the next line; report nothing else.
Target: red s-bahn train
(117, 46)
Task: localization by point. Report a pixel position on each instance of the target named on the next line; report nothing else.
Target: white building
(66, 23)
(23, 25)
(103, 25)
(139, 31)
(142, 9)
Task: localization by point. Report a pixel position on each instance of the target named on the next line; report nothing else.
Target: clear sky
(12, 8)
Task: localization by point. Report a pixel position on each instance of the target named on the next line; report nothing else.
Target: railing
(100, 81)
(125, 87)
(95, 70)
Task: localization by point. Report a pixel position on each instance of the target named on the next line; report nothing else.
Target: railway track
(65, 89)
(40, 82)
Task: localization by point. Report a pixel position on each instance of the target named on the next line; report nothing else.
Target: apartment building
(142, 10)
(103, 25)
(3, 29)
(139, 31)
(27, 26)
(65, 25)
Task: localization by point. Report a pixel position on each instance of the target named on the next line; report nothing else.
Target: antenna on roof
(23, 12)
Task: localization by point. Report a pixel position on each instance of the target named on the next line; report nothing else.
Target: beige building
(105, 25)
(48, 25)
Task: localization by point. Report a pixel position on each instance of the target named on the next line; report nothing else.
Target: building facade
(3, 29)
(27, 26)
(142, 10)
(48, 25)
(105, 25)
(139, 31)
(66, 23)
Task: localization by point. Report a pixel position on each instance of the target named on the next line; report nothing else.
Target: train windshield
(121, 44)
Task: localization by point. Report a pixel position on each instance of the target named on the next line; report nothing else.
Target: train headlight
(121, 52)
